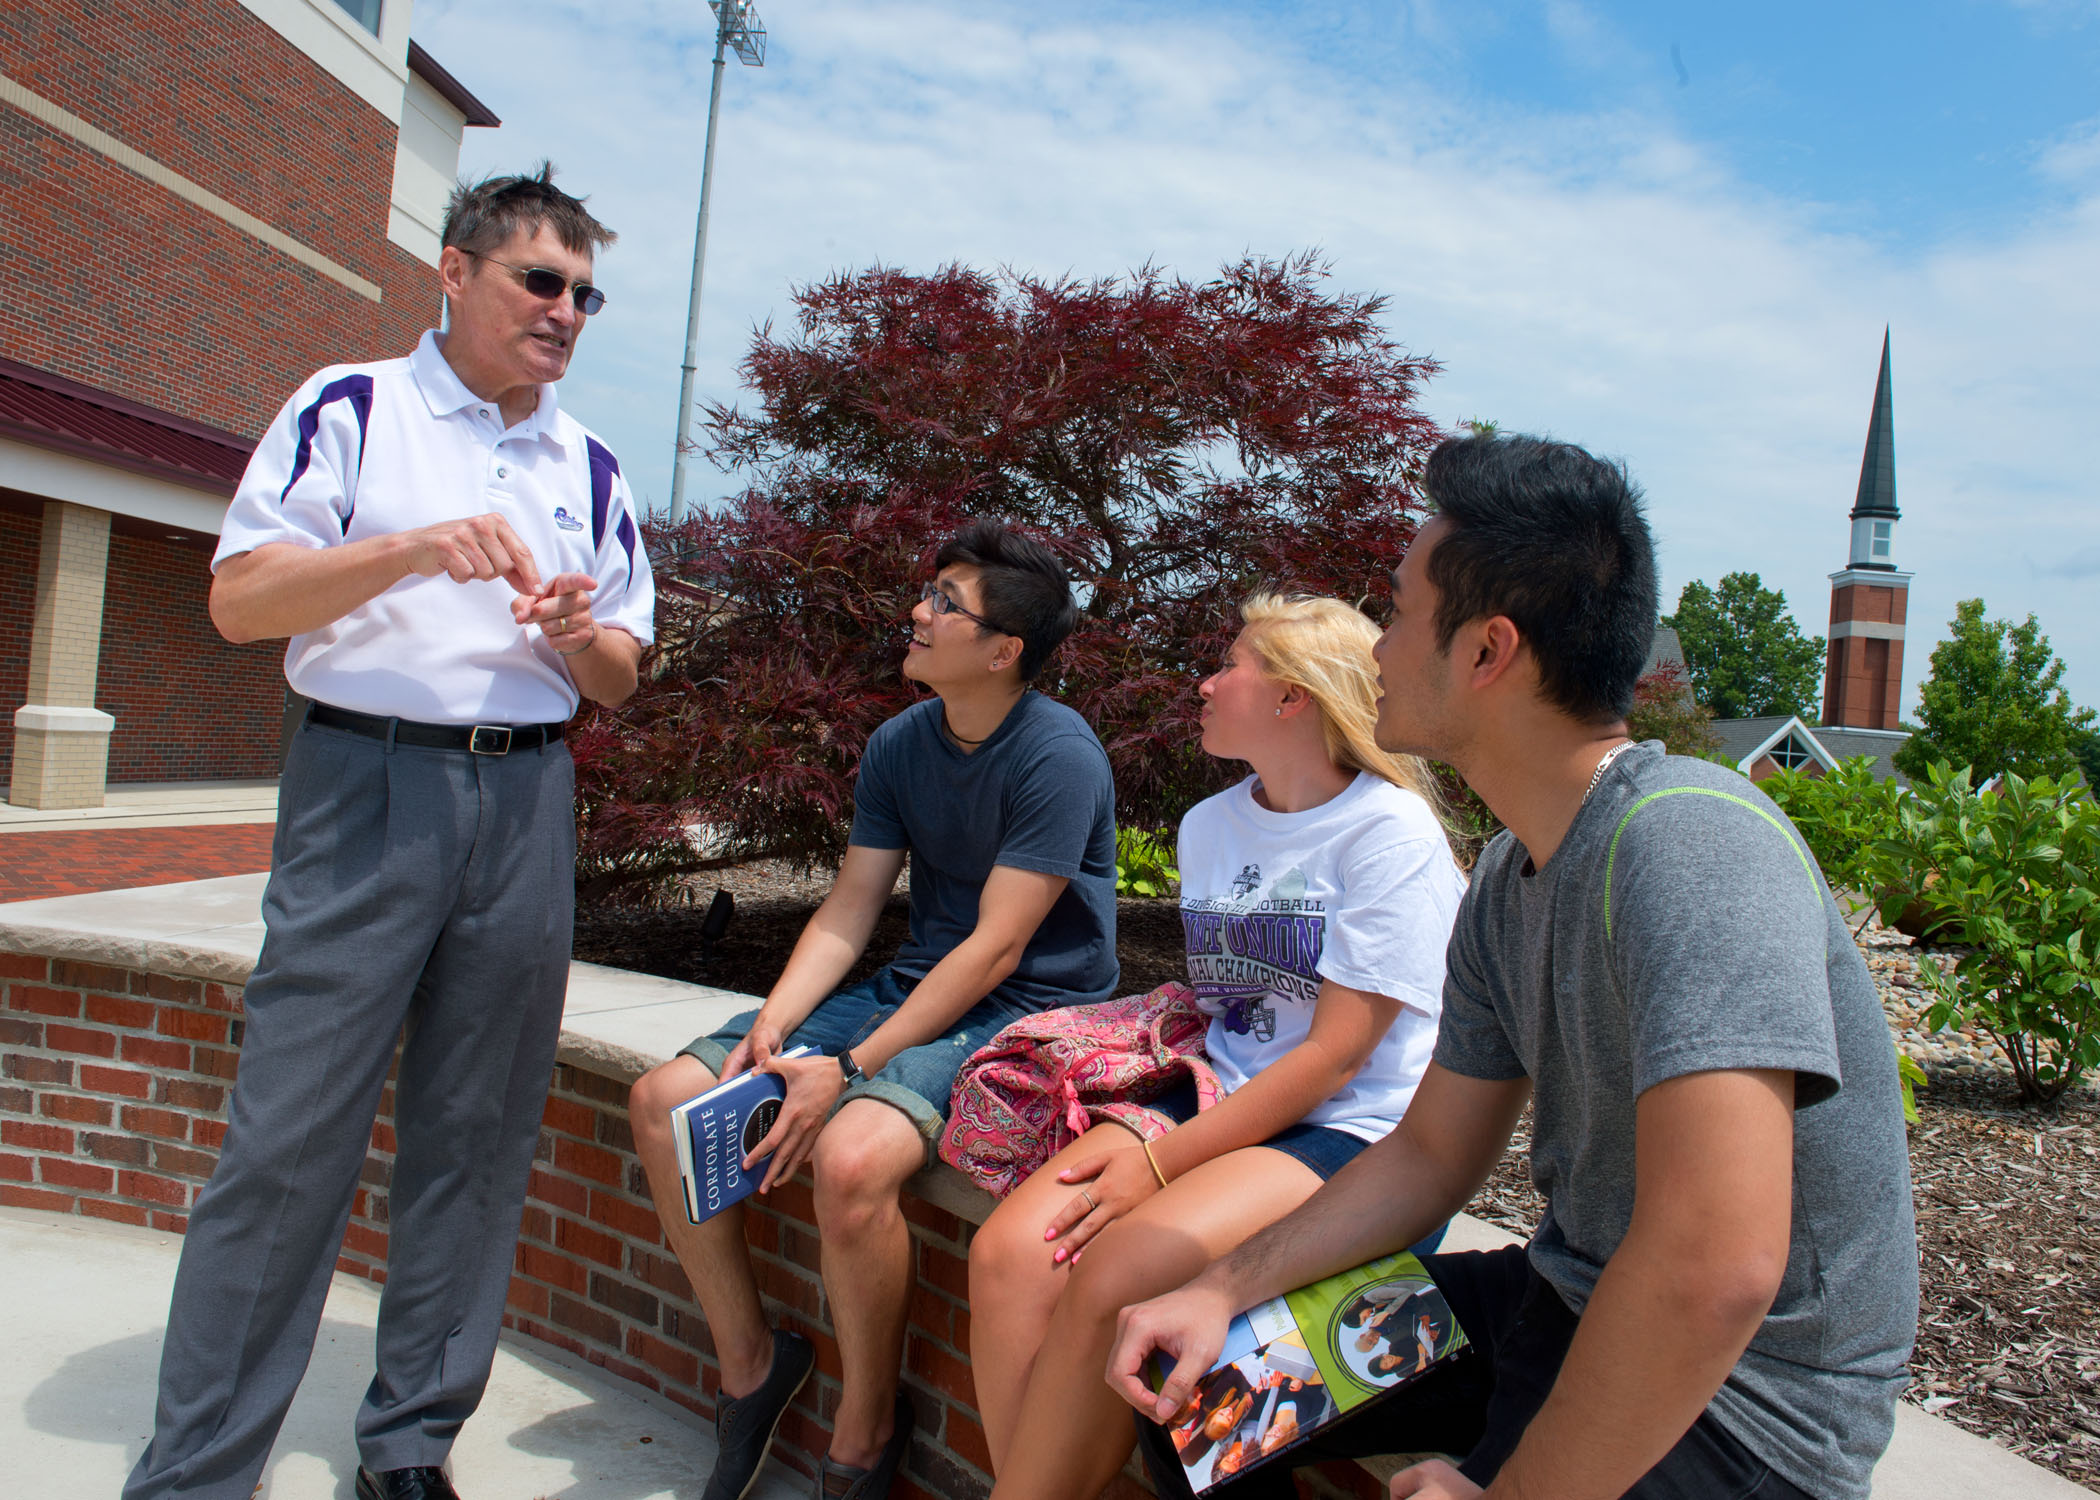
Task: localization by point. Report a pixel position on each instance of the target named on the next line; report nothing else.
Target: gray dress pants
(422, 891)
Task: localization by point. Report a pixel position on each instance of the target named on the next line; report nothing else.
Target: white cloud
(2074, 158)
(1599, 277)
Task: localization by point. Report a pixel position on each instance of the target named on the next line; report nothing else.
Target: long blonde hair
(1324, 646)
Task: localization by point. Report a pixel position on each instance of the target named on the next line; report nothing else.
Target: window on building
(1791, 753)
(365, 12)
(1881, 538)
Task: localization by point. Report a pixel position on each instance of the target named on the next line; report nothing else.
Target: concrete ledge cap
(45, 718)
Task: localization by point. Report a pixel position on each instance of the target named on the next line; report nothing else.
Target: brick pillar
(61, 738)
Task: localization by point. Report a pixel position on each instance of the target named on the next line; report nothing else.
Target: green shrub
(1840, 815)
(1145, 863)
(2009, 872)
(1912, 1078)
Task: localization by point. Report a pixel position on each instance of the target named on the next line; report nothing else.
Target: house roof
(67, 416)
(1744, 740)
(1665, 650)
(1882, 744)
(448, 88)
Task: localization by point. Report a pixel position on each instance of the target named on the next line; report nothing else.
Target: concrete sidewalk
(86, 1301)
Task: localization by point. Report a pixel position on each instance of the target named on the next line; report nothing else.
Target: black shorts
(1477, 1406)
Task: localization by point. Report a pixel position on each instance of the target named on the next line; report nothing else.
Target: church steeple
(1863, 672)
(1874, 513)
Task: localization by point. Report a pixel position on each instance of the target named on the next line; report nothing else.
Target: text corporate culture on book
(717, 1130)
(1302, 1361)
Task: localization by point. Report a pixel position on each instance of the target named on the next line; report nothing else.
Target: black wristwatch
(850, 1068)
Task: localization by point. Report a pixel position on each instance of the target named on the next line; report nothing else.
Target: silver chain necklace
(1604, 765)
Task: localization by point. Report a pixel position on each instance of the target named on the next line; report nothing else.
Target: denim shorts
(1321, 1148)
(917, 1080)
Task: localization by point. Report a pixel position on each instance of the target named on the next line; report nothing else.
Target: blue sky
(1904, 122)
(1673, 233)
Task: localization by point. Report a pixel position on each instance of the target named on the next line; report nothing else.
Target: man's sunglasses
(547, 285)
(944, 604)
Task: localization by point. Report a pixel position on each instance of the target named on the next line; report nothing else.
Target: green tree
(1746, 655)
(2085, 748)
(1993, 703)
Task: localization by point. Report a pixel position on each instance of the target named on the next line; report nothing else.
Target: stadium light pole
(739, 30)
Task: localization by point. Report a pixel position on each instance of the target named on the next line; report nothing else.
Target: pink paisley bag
(1039, 1084)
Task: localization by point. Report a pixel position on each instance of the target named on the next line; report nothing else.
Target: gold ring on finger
(561, 624)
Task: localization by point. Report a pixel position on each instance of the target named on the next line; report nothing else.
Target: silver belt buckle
(485, 739)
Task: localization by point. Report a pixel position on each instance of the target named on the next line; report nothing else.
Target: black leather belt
(481, 739)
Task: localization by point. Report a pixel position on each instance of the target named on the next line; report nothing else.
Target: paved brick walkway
(71, 862)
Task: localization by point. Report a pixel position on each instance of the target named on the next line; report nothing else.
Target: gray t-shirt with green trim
(1682, 927)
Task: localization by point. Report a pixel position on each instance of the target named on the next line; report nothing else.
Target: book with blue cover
(716, 1130)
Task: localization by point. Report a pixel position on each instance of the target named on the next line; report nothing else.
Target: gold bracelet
(1154, 1161)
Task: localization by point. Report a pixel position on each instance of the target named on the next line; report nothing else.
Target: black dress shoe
(425, 1483)
(744, 1425)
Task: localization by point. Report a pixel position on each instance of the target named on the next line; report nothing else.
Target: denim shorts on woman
(917, 1080)
(1322, 1149)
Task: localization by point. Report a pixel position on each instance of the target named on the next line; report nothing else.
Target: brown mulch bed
(2008, 1199)
(772, 904)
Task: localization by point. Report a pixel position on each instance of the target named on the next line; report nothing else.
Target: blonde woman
(1317, 897)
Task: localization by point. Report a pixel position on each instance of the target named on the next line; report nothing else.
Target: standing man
(1004, 802)
(1723, 1291)
(455, 560)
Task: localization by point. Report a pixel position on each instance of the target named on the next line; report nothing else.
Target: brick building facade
(203, 204)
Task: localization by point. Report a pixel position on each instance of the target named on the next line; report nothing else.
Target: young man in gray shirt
(1723, 1292)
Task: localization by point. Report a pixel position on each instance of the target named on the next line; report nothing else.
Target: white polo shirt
(364, 450)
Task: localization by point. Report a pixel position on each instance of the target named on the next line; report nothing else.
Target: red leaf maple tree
(1664, 709)
(1177, 444)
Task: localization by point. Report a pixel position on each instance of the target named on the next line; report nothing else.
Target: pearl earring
(1279, 713)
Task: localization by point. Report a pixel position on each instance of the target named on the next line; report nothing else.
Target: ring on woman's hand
(561, 624)
(1090, 1203)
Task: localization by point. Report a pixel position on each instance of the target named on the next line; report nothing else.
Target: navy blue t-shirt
(1036, 796)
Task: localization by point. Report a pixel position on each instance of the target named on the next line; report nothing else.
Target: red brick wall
(189, 705)
(1868, 601)
(1862, 675)
(20, 537)
(113, 1087)
(140, 293)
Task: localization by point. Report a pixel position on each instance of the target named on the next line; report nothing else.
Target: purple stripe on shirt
(357, 390)
(604, 467)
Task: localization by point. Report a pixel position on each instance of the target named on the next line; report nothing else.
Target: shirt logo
(565, 521)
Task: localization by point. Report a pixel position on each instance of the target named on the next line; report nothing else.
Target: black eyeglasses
(944, 604)
(547, 285)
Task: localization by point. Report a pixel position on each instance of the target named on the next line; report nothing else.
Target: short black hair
(1021, 586)
(482, 217)
(1553, 538)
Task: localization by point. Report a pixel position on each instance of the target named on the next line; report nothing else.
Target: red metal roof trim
(50, 411)
(449, 89)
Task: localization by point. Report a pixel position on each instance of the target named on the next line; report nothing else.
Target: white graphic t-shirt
(1361, 890)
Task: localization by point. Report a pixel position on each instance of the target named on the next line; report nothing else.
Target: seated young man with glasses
(1004, 801)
